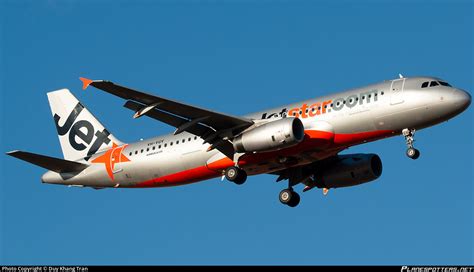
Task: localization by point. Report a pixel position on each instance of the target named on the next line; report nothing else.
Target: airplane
(299, 142)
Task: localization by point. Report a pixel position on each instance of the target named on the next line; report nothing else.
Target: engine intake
(350, 170)
(271, 136)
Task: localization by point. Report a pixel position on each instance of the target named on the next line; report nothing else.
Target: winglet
(85, 82)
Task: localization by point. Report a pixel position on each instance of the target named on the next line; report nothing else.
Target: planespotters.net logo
(437, 268)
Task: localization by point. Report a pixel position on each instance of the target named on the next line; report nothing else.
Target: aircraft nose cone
(462, 100)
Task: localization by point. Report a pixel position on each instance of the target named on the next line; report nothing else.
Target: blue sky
(235, 57)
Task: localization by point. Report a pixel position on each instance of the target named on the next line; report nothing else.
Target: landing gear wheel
(285, 196)
(236, 175)
(413, 153)
(231, 173)
(241, 177)
(289, 197)
(295, 200)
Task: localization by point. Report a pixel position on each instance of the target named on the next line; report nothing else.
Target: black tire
(295, 200)
(241, 177)
(417, 154)
(286, 195)
(236, 175)
(413, 153)
(232, 173)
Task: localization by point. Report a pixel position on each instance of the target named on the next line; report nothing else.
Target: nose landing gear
(409, 135)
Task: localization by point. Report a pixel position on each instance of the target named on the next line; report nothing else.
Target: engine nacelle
(271, 136)
(349, 170)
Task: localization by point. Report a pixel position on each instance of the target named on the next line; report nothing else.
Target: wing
(214, 127)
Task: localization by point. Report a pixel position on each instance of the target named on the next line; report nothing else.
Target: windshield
(444, 83)
(434, 83)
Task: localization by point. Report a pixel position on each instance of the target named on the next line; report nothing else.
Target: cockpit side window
(434, 83)
(444, 83)
(425, 84)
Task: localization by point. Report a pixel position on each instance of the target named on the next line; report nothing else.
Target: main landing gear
(409, 135)
(236, 175)
(289, 197)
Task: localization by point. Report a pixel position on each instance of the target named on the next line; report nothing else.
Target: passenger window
(433, 83)
(189, 139)
(159, 146)
(141, 151)
(136, 152)
(130, 154)
(148, 149)
(166, 145)
(154, 148)
(425, 84)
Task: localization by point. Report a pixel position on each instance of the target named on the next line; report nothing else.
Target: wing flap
(169, 119)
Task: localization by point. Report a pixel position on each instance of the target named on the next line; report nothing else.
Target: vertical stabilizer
(80, 134)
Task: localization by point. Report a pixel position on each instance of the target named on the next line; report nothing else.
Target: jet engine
(349, 170)
(271, 136)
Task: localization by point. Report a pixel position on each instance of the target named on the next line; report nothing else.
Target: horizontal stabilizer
(50, 163)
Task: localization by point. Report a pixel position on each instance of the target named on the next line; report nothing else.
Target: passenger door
(396, 91)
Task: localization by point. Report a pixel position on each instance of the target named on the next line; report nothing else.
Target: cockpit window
(434, 83)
